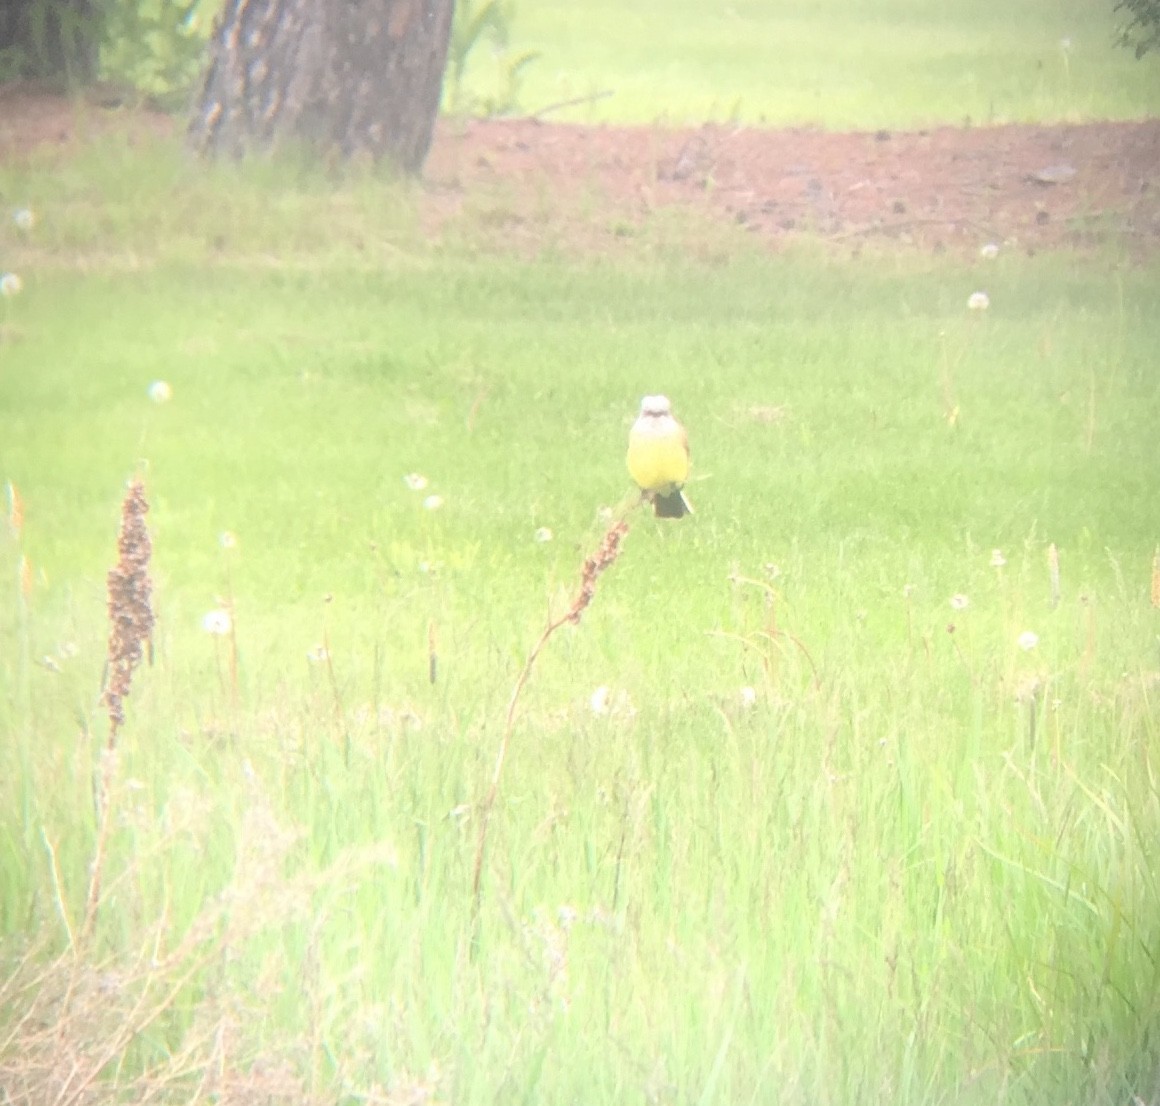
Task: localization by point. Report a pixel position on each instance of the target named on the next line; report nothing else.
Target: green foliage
(152, 47)
(156, 47)
(479, 25)
(1141, 32)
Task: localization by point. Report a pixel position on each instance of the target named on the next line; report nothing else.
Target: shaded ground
(1036, 187)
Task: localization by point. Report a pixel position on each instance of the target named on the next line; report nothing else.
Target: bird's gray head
(655, 406)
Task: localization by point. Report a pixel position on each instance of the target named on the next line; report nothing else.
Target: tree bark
(338, 77)
(57, 41)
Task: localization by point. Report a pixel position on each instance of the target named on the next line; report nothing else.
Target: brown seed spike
(130, 609)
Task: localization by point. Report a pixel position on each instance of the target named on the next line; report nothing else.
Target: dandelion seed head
(24, 218)
(10, 284)
(566, 916)
(1028, 640)
(160, 391)
(997, 558)
(217, 622)
(432, 502)
(907, 591)
(748, 697)
(543, 534)
(598, 703)
(318, 654)
(416, 481)
(989, 251)
(978, 301)
(227, 539)
(959, 602)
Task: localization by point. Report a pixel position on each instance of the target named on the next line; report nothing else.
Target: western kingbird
(658, 457)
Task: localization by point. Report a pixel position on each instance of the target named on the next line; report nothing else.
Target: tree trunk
(53, 40)
(338, 77)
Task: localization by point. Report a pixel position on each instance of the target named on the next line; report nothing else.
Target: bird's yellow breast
(658, 464)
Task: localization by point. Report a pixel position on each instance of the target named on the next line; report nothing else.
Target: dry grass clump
(158, 1024)
(165, 1022)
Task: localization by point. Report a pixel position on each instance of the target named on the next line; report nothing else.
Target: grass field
(840, 791)
(841, 64)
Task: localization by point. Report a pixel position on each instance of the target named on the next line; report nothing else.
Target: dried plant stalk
(130, 631)
(130, 606)
(15, 511)
(604, 557)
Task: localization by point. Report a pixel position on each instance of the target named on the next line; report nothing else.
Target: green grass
(840, 64)
(908, 865)
(778, 823)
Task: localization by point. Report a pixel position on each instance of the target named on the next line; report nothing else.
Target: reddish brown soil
(944, 188)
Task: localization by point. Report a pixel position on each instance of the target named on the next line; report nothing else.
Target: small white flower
(160, 391)
(416, 481)
(543, 534)
(997, 558)
(960, 602)
(566, 916)
(599, 700)
(10, 284)
(217, 623)
(24, 218)
(227, 539)
(748, 697)
(978, 301)
(432, 502)
(989, 251)
(1028, 640)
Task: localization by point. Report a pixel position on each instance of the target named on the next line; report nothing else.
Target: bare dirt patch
(1037, 187)
(1034, 187)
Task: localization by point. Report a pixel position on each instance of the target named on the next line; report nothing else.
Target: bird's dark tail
(673, 505)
